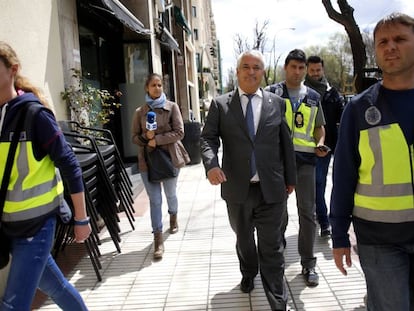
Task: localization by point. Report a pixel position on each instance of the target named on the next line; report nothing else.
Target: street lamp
(286, 28)
(277, 61)
(274, 50)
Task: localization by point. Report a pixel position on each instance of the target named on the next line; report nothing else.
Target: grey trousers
(305, 200)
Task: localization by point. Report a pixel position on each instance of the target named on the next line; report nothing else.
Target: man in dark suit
(257, 174)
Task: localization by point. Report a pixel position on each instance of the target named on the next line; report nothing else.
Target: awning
(167, 39)
(125, 16)
(180, 19)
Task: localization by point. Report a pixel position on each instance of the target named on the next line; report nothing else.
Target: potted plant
(88, 105)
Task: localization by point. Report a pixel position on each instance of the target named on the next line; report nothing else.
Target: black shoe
(325, 232)
(310, 276)
(247, 284)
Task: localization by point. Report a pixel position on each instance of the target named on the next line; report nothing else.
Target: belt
(254, 182)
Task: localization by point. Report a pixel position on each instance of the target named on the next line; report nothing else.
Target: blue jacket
(393, 107)
(48, 139)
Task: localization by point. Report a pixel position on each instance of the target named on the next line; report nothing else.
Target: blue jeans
(155, 197)
(389, 274)
(322, 167)
(32, 267)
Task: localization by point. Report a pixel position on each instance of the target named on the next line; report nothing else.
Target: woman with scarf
(168, 132)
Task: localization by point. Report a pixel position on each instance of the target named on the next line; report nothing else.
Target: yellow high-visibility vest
(35, 187)
(384, 192)
(301, 122)
(302, 126)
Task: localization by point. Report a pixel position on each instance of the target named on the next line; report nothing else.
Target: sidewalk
(200, 269)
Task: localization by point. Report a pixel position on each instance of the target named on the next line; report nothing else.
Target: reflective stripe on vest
(35, 188)
(384, 192)
(303, 139)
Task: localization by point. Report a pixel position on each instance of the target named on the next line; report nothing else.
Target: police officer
(306, 121)
(373, 173)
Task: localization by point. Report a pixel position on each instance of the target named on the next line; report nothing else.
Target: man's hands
(289, 189)
(339, 254)
(322, 151)
(216, 176)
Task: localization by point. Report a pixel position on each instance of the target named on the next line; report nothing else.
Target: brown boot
(173, 224)
(158, 245)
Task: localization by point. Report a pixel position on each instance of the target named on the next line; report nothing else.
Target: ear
(14, 69)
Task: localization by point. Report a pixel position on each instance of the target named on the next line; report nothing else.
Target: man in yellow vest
(373, 173)
(306, 122)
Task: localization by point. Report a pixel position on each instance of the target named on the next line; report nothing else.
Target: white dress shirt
(257, 100)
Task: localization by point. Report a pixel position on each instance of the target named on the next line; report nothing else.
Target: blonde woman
(35, 192)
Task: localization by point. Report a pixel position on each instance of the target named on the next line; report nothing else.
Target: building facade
(207, 53)
(115, 44)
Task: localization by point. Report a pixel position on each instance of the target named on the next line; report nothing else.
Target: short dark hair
(393, 19)
(296, 54)
(314, 59)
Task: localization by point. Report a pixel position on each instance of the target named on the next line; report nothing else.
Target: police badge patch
(372, 115)
(299, 119)
(279, 91)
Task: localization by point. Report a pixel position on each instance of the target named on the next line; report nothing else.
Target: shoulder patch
(373, 115)
(312, 102)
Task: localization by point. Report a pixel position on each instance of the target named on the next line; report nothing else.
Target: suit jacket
(275, 157)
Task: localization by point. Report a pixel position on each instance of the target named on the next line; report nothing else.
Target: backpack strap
(10, 156)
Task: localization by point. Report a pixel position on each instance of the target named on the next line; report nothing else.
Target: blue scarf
(156, 103)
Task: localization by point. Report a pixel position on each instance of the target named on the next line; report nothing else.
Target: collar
(258, 92)
(2, 116)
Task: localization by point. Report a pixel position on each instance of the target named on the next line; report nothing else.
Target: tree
(259, 43)
(370, 49)
(259, 39)
(240, 44)
(346, 18)
(331, 61)
(338, 62)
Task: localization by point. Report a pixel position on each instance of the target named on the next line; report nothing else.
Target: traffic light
(212, 51)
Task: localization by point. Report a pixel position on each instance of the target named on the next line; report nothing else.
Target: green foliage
(337, 55)
(88, 105)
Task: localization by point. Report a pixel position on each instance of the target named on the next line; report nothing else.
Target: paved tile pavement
(200, 270)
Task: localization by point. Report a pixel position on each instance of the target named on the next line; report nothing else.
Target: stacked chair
(108, 188)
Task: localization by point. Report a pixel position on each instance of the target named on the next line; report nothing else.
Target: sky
(311, 23)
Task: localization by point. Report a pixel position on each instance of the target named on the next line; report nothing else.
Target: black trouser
(266, 219)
